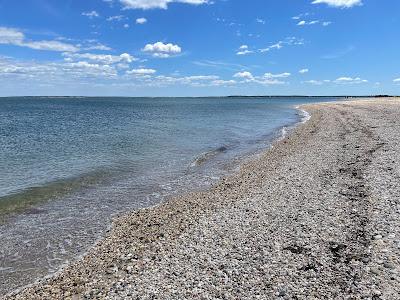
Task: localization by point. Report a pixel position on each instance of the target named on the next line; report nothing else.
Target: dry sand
(315, 217)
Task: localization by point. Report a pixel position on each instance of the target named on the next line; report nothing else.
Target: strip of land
(315, 217)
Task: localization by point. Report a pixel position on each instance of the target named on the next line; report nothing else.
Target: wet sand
(315, 217)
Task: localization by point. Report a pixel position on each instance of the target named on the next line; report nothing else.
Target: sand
(315, 217)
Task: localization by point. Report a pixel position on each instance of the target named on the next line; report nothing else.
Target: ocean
(69, 164)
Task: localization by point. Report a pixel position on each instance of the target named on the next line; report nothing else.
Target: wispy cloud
(300, 16)
(91, 72)
(350, 80)
(116, 18)
(261, 21)
(290, 41)
(339, 53)
(344, 80)
(244, 50)
(219, 65)
(12, 36)
(160, 4)
(314, 82)
(141, 71)
(99, 58)
(91, 14)
(266, 79)
(339, 3)
(314, 22)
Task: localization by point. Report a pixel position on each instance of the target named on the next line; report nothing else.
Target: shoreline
(156, 238)
(233, 166)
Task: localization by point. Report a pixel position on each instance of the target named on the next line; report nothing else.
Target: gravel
(315, 217)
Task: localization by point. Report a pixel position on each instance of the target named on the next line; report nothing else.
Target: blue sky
(199, 47)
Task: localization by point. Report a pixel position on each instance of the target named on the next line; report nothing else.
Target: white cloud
(314, 22)
(116, 18)
(281, 75)
(202, 77)
(397, 80)
(300, 16)
(195, 81)
(244, 75)
(98, 46)
(243, 50)
(91, 14)
(266, 79)
(340, 80)
(350, 80)
(303, 71)
(100, 58)
(261, 21)
(126, 25)
(339, 3)
(141, 71)
(50, 46)
(314, 82)
(289, 41)
(141, 21)
(162, 50)
(220, 82)
(12, 36)
(151, 4)
(56, 73)
(92, 73)
(93, 69)
(219, 65)
(278, 45)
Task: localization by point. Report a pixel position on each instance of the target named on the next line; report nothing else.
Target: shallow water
(67, 165)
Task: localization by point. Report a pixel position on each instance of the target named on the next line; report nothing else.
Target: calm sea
(67, 165)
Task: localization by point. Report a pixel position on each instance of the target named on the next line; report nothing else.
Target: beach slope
(315, 217)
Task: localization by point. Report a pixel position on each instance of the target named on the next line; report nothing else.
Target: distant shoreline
(204, 97)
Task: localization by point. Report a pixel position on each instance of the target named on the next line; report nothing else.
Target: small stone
(112, 270)
(388, 265)
(374, 271)
(365, 260)
(377, 293)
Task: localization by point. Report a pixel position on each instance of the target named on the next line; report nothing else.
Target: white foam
(305, 116)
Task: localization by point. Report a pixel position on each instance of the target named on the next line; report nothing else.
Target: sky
(199, 47)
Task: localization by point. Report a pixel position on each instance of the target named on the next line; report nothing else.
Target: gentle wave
(204, 157)
(24, 201)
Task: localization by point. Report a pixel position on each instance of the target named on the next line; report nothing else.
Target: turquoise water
(69, 164)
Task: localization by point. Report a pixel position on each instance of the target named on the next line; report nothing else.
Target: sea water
(68, 164)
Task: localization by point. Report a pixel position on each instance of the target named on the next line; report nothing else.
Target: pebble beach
(317, 216)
